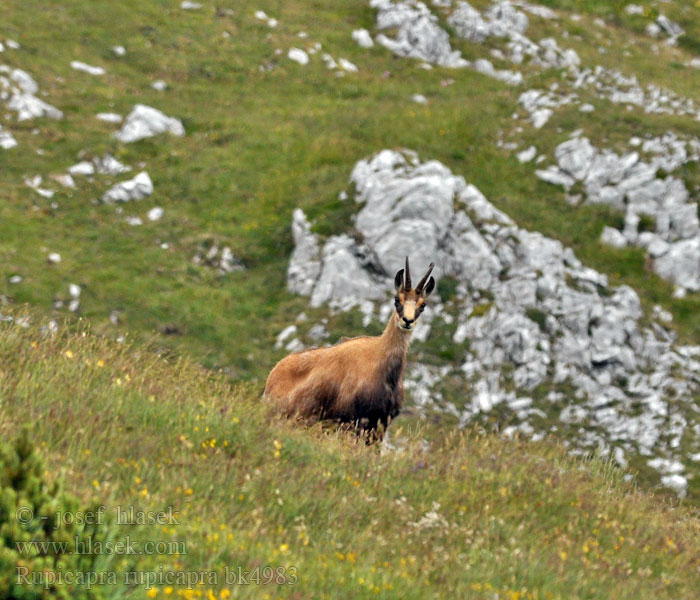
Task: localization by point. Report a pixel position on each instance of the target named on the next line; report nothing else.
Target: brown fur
(357, 382)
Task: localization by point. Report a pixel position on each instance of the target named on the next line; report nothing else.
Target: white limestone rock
(346, 65)
(469, 24)
(419, 35)
(575, 156)
(555, 176)
(23, 101)
(108, 165)
(85, 68)
(137, 188)
(7, 140)
(631, 185)
(298, 56)
(527, 155)
(342, 281)
(305, 263)
(613, 237)
(155, 214)
(362, 38)
(82, 168)
(110, 117)
(144, 122)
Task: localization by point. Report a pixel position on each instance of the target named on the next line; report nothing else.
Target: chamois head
(410, 302)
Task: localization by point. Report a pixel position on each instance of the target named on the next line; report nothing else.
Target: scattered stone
(82, 168)
(260, 15)
(7, 140)
(144, 121)
(85, 68)
(53, 258)
(662, 315)
(671, 29)
(15, 279)
(137, 188)
(419, 99)
(586, 108)
(485, 67)
(346, 65)
(119, 50)
(35, 183)
(155, 214)
(19, 91)
(212, 255)
(159, 85)
(613, 237)
(110, 117)
(634, 9)
(25, 81)
(555, 177)
(329, 60)
(74, 290)
(527, 155)
(535, 9)
(108, 165)
(284, 335)
(298, 55)
(187, 5)
(540, 105)
(134, 221)
(363, 38)
(65, 180)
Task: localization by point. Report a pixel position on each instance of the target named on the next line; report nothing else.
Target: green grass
(258, 145)
(473, 514)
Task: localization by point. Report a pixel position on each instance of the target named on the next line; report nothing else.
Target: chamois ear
(429, 288)
(398, 280)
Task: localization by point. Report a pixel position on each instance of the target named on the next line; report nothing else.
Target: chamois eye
(422, 308)
(396, 300)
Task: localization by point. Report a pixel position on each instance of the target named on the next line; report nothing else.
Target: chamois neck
(395, 340)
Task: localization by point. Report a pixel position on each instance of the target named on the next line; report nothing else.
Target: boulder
(137, 188)
(144, 122)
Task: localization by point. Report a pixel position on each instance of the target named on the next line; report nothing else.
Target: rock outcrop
(633, 186)
(537, 332)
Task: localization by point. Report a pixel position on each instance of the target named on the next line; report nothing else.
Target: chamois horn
(407, 277)
(421, 283)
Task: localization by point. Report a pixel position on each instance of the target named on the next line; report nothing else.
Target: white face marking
(410, 313)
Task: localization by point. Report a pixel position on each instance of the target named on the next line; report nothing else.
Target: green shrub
(44, 553)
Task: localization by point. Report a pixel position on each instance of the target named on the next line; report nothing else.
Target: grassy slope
(260, 144)
(515, 520)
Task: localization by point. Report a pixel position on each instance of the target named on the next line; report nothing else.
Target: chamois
(357, 382)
